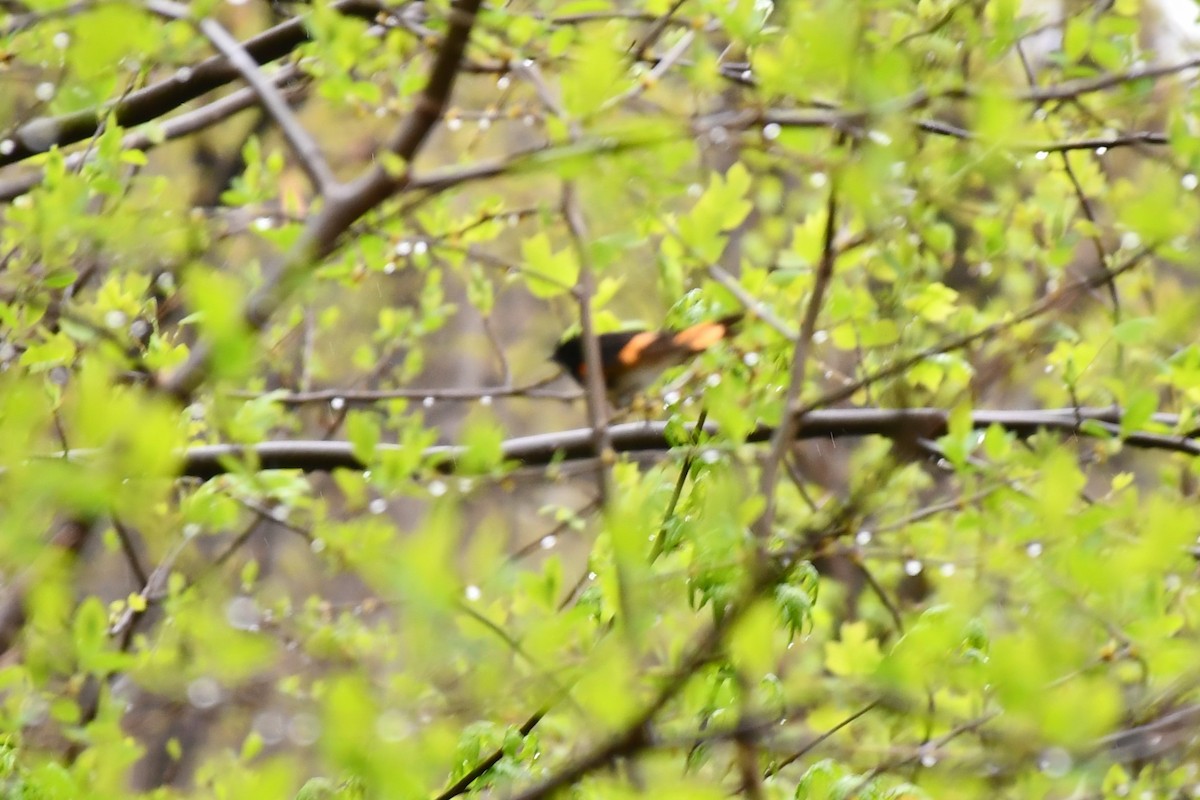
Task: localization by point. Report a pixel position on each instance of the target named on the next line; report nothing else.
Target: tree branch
(345, 204)
(303, 146)
(40, 135)
(597, 403)
(339, 397)
(177, 127)
(785, 434)
(207, 461)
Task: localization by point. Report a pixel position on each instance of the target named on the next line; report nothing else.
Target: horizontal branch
(208, 461)
(1077, 88)
(856, 122)
(346, 397)
(188, 83)
(1057, 146)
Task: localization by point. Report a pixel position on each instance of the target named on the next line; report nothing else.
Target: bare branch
(463, 784)
(1047, 303)
(177, 127)
(408, 140)
(817, 741)
(207, 461)
(636, 734)
(855, 122)
(40, 135)
(597, 404)
(1094, 143)
(367, 396)
(1074, 89)
(131, 555)
(656, 30)
(753, 306)
(785, 434)
(302, 144)
(660, 538)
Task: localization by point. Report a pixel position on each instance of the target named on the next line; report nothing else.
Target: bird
(633, 360)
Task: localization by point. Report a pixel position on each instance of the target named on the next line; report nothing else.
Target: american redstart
(633, 360)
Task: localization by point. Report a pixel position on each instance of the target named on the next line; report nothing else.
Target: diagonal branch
(1073, 89)
(177, 127)
(152, 102)
(338, 398)
(305, 148)
(411, 136)
(635, 736)
(463, 784)
(345, 204)
(1047, 303)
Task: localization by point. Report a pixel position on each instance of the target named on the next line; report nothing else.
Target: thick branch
(177, 127)
(39, 135)
(208, 461)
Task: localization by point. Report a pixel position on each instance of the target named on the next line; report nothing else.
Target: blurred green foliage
(961, 613)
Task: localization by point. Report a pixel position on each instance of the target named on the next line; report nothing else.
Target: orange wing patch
(631, 353)
(702, 336)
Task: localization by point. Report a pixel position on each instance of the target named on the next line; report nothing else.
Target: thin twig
(753, 305)
(656, 31)
(880, 592)
(1085, 205)
(597, 403)
(1095, 143)
(540, 542)
(938, 508)
(1048, 302)
(1074, 89)
(786, 432)
(818, 741)
(345, 397)
(928, 747)
(131, 556)
(636, 734)
(684, 470)
(463, 784)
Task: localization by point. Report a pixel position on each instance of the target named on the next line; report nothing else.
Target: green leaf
(58, 349)
(721, 208)
(216, 297)
(90, 632)
(1134, 331)
(1140, 406)
(752, 641)
(547, 273)
(596, 74)
(935, 302)
(854, 654)
(362, 429)
(482, 439)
